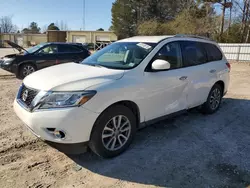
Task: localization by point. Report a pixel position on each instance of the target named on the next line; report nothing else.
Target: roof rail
(193, 36)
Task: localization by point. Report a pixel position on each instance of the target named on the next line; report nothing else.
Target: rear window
(213, 53)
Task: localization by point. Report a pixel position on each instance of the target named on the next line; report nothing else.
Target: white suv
(104, 100)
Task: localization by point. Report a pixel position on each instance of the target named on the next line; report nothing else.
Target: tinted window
(171, 52)
(50, 49)
(213, 53)
(193, 53)
(68, 49)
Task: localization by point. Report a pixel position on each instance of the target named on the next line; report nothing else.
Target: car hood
(13, 55)
(70, 77)
(16, 46)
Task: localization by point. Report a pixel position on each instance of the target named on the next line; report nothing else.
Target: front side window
(193, 53)
(171, 52)
(120, 55)
(51, 49)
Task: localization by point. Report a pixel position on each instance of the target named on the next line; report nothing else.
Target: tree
(127, 15)
(6, 25)
(63, 26)
(111, 28)
(100, 29)
(123, 18)
(153, 27)
(52, 26)
(33, 28)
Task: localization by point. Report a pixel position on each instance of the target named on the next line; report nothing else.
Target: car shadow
(186, 151)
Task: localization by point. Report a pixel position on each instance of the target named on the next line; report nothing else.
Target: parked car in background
(42, 56)
(134, 82)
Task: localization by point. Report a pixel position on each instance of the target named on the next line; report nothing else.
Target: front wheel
(113, 131)
(26, 70)
(213, 101)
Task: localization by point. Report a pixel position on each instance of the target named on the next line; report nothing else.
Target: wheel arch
(22, 64)
(221, 84)
(129, 104)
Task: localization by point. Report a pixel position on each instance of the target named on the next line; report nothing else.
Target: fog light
(59, 134)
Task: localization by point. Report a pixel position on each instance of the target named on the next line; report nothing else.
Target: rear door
(46, 56)
(69, 53)
(198, 71)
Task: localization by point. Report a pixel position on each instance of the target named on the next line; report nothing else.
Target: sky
(44, 12)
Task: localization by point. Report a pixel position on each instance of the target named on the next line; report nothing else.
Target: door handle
(212, 71)
(183, 78)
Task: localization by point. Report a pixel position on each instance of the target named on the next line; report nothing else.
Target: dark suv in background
(41, 56)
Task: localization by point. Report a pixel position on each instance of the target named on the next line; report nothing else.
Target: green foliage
(100, 29)
(194, 22)
(33, 28)
(123, 18)
(52, 26)
(232, 35)
(129, 16)
(152, 27)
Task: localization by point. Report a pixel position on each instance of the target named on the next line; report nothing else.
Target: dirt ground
(192, 150)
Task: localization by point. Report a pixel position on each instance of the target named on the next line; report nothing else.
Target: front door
(167, 90)
(47, 56)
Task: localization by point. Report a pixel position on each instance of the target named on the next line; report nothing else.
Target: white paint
(155, 93)
(159, 64)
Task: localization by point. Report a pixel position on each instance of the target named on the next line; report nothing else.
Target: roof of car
(69, 43)
(153, 39)
(157, 39)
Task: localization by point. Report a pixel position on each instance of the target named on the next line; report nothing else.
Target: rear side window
(193, 53)
(213, 53)
(68, 49)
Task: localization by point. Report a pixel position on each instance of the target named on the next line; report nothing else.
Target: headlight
(7, 61)
(65, 99)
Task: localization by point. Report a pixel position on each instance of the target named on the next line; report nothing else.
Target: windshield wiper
(94, 65)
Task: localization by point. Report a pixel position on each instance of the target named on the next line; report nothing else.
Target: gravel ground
(192, 150)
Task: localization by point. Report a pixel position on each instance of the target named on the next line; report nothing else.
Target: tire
(107, 146)
(210, 107)
(26, 69)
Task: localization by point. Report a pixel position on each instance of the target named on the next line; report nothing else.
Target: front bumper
(8, 68)
(75, 122)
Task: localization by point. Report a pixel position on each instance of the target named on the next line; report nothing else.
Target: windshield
(120, 55)
(35, 48)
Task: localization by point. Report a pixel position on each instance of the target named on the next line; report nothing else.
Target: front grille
(26, 95)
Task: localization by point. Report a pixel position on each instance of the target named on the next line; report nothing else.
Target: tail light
(228, 66)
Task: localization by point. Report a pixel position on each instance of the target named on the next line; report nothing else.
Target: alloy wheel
(116, 132)
(28, 70)
(215, 99)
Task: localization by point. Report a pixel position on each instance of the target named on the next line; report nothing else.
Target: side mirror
(159, 64)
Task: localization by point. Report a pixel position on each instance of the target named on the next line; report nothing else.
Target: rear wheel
(26, 70)
(113, 131)
(213, 101)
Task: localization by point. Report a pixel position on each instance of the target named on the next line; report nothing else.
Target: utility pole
(83, 18)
